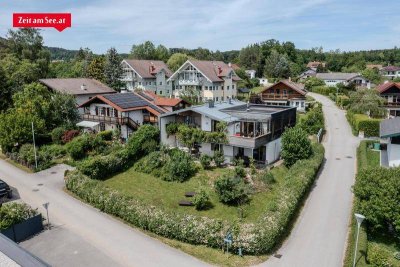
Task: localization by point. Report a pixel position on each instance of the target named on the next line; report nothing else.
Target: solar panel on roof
(130, 100)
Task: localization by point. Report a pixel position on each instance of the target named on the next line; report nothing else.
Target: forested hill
(61, 53)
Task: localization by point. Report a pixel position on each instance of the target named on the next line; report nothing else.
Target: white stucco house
(334, 78)
(149, 75)
(390, 72)
(206, 80)
(389, 132)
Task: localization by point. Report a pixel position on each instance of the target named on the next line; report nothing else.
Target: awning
(87, 124)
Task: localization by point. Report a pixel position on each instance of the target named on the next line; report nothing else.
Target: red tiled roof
(148, 68)
(315, 64)
(163, 101)
(213, 70)
(385, 86)
(391, 68)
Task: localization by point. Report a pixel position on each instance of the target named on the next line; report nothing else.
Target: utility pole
(34, 146)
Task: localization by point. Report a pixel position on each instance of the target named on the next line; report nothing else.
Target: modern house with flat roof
(390, 91)
(334, 78)
(206, 80)
(253, 130)
(389, 132)
(148, 75)
(123, 111)
(284, 93)
(82, 88)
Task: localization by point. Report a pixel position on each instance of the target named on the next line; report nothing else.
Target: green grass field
(165, 194)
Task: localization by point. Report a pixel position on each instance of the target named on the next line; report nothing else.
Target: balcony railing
(148, 118)
(189, 82)
(111, 120)
(391, 104)
(251, 142)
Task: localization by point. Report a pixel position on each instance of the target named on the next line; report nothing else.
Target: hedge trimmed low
(253, 238)
(361, 122)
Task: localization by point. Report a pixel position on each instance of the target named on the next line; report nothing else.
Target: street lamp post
(359, 219)
(34, 145)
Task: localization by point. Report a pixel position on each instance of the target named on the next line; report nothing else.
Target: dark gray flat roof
(19, 255)
(389, 127)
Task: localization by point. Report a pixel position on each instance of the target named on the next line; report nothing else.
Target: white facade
(393, 154)
(250, 73)
(264, 81)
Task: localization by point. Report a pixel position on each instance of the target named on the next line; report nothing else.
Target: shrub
(232, 190)
(143, 141)
(201, 199)
(267, 178)
(27, 154)
(13, 213)
(378, 256)
(180, 167)
(295, 146)
(106, 135)
(101, 167)
(205, 161)
(52, 151)
(240, 171)
(313, 121)
(324, 90)
(219, 158)
(172, 128)
(312, 82)
(57, 134)
(69, 135)
(151, 164)
(343, 101)
(361, 122)
(80, 146)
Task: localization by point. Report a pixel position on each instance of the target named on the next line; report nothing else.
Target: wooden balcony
(392, 104)
(149, 118)
(111, 120)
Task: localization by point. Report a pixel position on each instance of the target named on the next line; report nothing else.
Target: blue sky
(217, 24)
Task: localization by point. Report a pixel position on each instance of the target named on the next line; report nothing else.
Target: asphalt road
(82, 235)
(319, 235)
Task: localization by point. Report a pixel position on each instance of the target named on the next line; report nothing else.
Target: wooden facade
(281, 91)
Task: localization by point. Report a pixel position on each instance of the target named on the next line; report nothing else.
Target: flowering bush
(13, 213)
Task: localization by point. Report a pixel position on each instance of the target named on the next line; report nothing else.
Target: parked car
(5, 190)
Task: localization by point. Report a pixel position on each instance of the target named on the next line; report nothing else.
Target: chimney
(219, 70)
(230, 65)
(83, 87)
(290, 79)
(211, 104)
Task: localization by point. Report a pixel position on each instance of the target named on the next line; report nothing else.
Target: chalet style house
(148, 75)
(334, 78)
(283, 93)
(208, 80)
(82, 89)
(390, 91)
(253, 131)
(124, 111)
(390, 72)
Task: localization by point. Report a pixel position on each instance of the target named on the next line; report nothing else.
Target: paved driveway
(319, 236)
(82, 235)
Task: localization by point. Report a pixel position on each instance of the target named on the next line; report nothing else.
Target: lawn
(258, 89)
(157, 192)
(367, 157)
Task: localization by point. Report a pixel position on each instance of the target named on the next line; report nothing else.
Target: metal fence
(25, 229)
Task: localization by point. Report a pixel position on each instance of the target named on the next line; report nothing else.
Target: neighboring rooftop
(298, 87)
(160, 100)
(372, 66)
(12, 255)
(389, 127)
(337, 76)
(148, 68)
(215, 71)
(391, 68)
(315, 64)
(385, 86)
(126, 102)
(233, 110)
(77, 86)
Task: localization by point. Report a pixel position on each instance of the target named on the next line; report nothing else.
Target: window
(217, 98)
(222, 87)
(180, 86)
(160, 83)
(102, 126)
(140, 83)
(167, 91)
(233, 86)
(160, 92)
(215, 147)
(227, 87)
(96, 111)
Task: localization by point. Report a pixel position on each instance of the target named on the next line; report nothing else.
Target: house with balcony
(123, 111)
(82, 89)
(390, 91)
(253, 130)
(335, 78)
(390, 72)
(206, 80)
(284, 93)
(148, 75)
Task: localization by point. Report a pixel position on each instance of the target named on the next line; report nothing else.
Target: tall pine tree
(113, 70)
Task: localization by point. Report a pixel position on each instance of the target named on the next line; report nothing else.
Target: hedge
(324, 90)
(254, 238)
(361, 122)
